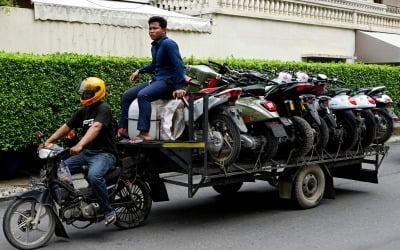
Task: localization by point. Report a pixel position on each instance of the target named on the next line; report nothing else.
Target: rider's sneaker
(110, 218)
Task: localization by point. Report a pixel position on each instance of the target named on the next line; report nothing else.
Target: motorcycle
(294, 99)
(385, 124)
(263, 129)
(370, 114)
(35, 215)
(224, 122)
(349, 121)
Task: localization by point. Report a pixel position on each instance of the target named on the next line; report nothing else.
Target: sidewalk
(8, 188)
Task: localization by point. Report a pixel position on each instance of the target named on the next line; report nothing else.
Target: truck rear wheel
(227, 189)
(309, 186)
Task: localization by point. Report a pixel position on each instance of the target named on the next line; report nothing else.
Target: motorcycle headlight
(45, 153)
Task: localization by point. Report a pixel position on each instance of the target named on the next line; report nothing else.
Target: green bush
(38, 92)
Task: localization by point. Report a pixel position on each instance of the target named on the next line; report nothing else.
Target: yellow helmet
(92, 90)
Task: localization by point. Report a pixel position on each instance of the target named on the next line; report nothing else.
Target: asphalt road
(363, 216)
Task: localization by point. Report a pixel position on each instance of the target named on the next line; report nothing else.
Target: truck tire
(309, 186)
(228, 189)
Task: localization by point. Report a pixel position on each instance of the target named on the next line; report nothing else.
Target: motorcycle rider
(168, 80)
(97, 148)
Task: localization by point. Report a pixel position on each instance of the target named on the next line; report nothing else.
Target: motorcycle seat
(111, 173)
(361, 90)
(254, 90)
(339, 91)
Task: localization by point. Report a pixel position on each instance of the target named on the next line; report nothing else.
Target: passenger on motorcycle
(168, 80)
(97, 148)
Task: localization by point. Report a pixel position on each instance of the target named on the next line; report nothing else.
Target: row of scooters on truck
(264, 116)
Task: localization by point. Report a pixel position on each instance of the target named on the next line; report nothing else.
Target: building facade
(287, 30)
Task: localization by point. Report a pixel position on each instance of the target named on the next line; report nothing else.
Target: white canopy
(114, 13)
(377, 47)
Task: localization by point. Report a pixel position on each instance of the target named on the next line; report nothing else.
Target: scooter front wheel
(28, 224)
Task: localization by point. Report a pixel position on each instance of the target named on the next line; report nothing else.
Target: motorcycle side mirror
(39, 134)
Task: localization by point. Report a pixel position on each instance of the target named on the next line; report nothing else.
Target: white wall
(264, 39)
(239, 37)
(21, 33)
(391, 2)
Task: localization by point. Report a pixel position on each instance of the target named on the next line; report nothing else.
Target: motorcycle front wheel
(303, 137)
(369, 131)
(230, 148)
(132, 205)
(384, 128)
(28, 224)
(321, 135)
(350, 134)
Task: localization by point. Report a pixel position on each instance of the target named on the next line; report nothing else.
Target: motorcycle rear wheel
(18, 224)
(140, 205)
(230, 150)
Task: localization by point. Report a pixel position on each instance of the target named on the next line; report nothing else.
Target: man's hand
(75, 149)
(179, 93)
(134, 76)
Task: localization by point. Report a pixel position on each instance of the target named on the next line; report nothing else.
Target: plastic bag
(172, 119)
(63, 173)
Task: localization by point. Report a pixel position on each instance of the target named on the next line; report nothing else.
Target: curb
(8, 191)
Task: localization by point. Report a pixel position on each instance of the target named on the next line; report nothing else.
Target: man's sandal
(110, 219)
(139, 139)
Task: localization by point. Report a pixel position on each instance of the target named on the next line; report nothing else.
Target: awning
(114, 13)
(376, 47)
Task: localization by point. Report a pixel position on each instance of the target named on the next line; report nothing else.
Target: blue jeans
(145, 93)
(99, 163)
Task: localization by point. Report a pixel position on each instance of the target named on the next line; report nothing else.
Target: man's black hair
(161, 20)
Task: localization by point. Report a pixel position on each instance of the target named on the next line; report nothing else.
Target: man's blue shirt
(166, 62)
